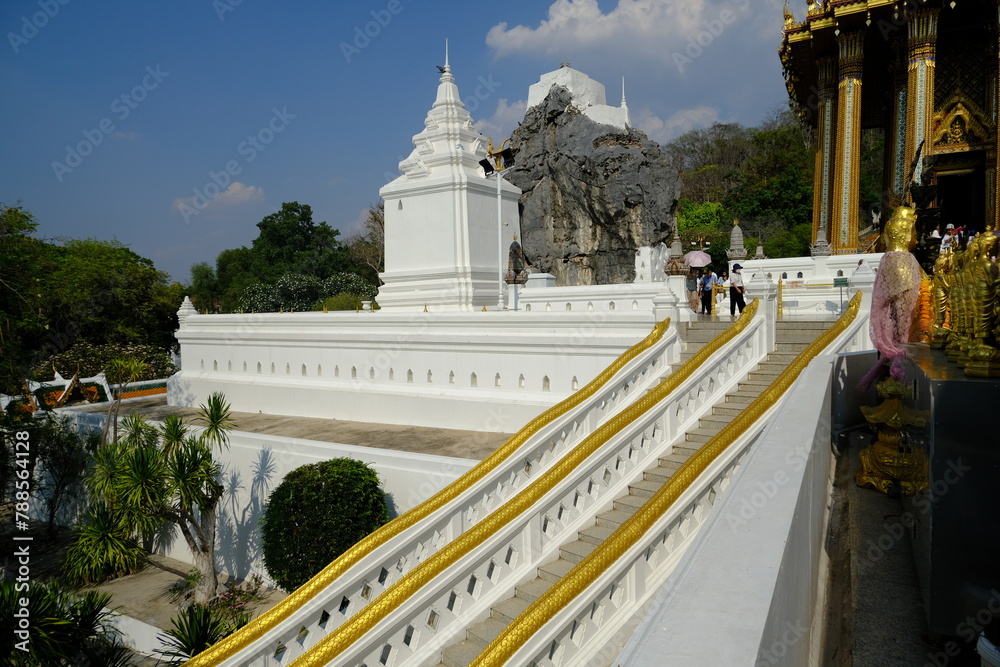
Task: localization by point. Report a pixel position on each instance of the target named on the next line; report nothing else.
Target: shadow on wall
(238, 545)
(179, 393)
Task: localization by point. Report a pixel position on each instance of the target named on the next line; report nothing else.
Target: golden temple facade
(925, 73)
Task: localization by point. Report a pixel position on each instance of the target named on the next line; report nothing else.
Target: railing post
(770, 300)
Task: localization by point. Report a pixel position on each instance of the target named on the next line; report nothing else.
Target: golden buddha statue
(896, 289)
(983, 353)
(942, 283)
(888, 462)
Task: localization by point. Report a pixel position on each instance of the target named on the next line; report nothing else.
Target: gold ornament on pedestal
(891, 461)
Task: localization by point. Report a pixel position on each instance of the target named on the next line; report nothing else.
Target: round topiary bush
(317, 512)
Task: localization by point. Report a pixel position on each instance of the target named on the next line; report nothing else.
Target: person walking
(692, 290)
(736, 291)
(708, 281)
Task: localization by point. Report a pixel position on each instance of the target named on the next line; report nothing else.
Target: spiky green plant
(103, 547)
(190, 633)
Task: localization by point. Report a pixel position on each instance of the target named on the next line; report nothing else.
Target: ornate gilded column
(897, 165)
(823, 183)
(921, 48)
(995, 181)
(844, 222)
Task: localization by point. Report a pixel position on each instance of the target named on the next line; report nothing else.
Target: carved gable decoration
(959, 127)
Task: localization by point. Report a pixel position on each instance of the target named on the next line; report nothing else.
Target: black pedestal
(956, 522)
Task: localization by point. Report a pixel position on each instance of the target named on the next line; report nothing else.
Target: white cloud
(646, 28)
(504, 119)
(237, 194)
(677, 124)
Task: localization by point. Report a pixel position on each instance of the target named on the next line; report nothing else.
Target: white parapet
(483, 371)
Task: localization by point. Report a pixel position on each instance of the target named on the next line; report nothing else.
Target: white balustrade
(586, 628)
(488, 574)
(383, 566)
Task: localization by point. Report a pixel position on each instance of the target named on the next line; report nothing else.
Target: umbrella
(697, 258)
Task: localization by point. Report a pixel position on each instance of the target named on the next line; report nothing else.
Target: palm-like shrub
(317, 512)
(103, 547)
(147, 477)
(66, 629)
(191, 632)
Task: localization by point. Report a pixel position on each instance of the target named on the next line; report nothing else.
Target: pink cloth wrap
(894, 297)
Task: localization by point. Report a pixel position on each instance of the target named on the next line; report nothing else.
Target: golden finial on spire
(789, 17)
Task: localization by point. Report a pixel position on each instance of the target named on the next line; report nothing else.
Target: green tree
(23, 314)
(289, 240)
(317, 512)
(146, 477)
(289, 243)
(204, 290)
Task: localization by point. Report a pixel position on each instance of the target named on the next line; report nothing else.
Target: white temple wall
(491, 371)
(819, 268)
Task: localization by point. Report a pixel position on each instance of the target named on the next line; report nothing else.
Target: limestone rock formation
(593, 194)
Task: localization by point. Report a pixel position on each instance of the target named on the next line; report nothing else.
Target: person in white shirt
(949, 237)
(736, 290)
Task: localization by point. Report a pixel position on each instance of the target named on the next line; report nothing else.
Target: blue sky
(174, 127)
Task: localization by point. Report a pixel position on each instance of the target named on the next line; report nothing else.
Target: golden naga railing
(264, 623)
(362, 622)
(541, 611)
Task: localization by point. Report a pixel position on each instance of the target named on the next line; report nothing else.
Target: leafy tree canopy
(53, 295)
(289, 243)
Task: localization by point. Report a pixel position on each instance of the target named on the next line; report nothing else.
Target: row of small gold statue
(966, 305)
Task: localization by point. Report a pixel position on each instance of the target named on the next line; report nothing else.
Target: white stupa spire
(628, 121)
(447, 66)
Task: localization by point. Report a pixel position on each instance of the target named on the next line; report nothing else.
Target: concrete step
(613, 518)
(532, 590)
(597, 534)
(461, 654)
(728, 410)
(628, 503)
(555, 570)
(755, 385)
(742, 398)
(701, 435)
(576, 551)
(676, 458)
(644, 488)
(815, 325)
(714, 421)
(485, 631)
(509, 609)
(661, 473)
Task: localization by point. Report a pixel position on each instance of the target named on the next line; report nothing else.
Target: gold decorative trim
(543, 609)
(264, 623)
(362, 622)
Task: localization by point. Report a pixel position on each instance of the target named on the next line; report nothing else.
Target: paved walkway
(440, 441)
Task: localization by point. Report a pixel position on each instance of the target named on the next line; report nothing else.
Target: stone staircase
(791, 339)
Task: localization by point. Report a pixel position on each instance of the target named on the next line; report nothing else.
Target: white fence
(385, 565)
(434, 615)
